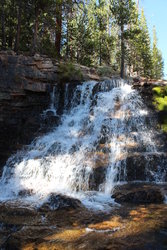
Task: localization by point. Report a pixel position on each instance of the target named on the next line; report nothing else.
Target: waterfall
(106, 131)
(54, 101)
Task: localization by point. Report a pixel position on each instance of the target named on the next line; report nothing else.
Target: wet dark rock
(138, 194)
(51, 119)
(25, 192)
(162, 115)
(15, 209)
(134, 167)
(97, 177)
(103, 139)
(105, 134)
(145, 167)
(58, 201)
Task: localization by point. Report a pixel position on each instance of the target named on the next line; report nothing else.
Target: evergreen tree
(157, 60)
(102, 16)
(123, 12)
(18, 30)
(144, 47)
(134, 55)
(97, 32)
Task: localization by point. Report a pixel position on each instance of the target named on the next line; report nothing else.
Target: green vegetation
(106, 71)
(160, 98)
(105, 33)
(158, 64)
(160, 102)
(164, 125)
(158, 91)
(125, 16)
(68, 72)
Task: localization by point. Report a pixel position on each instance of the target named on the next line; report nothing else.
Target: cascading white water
(55, 96)
(108, 115)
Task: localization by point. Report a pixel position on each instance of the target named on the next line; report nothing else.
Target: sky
(156, 14)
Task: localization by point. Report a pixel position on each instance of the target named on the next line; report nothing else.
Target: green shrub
(160, 98)
(69, 72)
(160, 102)
(158, 91)
(106, 71)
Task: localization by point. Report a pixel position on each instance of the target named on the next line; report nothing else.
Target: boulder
(58, 201)
(138, 194)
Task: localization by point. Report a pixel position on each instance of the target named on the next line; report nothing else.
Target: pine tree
(123, 12)
(58, 28)
(97, 32)
(19, 16)
(157, 60)
(144, 47)
(102, 16)
(133, 55)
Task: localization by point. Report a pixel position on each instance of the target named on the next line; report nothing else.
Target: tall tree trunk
(3, 24)
(10, 39)
(100, 45)
(58, 32)
(67, 38)
(36, 25)
(100, 61)
(122, 52)
(11, 24)
(17, 41)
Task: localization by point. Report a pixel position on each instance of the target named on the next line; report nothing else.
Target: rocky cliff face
(25, 84)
